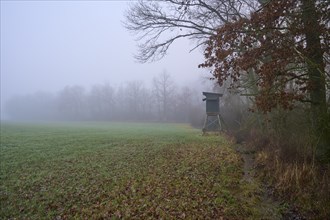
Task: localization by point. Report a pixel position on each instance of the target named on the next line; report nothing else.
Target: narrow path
(268, 206)
(248, 166)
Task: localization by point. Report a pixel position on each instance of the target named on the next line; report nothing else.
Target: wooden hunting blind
(212, 121)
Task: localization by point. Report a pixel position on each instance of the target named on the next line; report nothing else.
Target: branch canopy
(157, 24)
(284, 46)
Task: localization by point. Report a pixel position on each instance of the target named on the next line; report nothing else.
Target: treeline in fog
(132, 101)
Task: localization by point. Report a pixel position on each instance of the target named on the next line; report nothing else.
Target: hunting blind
(213, 118)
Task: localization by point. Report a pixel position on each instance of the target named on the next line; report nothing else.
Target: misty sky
(46, 45)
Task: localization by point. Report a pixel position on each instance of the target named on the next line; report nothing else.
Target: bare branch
(159, 23)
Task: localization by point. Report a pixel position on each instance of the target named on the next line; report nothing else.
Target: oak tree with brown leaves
(285, 45)
(287, 52)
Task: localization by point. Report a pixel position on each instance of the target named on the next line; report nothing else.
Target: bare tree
(163, 90)
(184, 103)
(101, 102)
(159, 23)
(134, 95)
(146, 103)
(72, 102)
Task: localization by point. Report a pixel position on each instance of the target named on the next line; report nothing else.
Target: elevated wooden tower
(213, 117)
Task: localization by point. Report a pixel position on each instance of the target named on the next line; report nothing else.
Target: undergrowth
(302, 183)
(287, 160)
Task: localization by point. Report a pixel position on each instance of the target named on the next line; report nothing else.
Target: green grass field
(120, 170)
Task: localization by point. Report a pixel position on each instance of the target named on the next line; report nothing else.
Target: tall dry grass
(287, 156)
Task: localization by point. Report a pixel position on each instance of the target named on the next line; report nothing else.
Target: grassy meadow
(101, 170)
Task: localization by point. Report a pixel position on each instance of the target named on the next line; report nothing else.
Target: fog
(52, 47)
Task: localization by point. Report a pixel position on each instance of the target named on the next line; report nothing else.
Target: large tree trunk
(315, 65)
